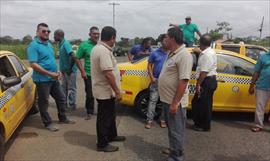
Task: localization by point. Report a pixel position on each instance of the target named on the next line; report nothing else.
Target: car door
(10, 97)
(234, 75)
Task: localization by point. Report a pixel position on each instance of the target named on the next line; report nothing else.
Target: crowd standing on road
(169, 69)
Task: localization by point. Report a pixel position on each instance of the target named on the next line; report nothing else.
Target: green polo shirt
(84, 51)
(188, 31)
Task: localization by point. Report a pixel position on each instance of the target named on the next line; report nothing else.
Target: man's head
(174, 37)
(43, 31)
(94, 34)
(59, 35)
(108, 35)
(188, 20)
(205, 41)
(146, 43)
(161, 38)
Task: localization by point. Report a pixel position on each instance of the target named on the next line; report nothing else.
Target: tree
(223, 28)
(27, 39)
(6, 40)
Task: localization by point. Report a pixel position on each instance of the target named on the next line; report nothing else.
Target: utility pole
(114, 4)
(260, 30)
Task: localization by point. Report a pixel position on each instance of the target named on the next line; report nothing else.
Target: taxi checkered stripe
(142, 73)
(192, 88)
(229, 79)
(9, 93)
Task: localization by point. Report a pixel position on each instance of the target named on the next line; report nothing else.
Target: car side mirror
(11, 81)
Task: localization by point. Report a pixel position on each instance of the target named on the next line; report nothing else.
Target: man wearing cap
(188, 29)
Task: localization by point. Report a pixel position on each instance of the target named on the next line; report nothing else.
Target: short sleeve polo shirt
(41, 53)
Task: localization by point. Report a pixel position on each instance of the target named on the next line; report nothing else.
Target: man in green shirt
(84, 51)
(188, 30)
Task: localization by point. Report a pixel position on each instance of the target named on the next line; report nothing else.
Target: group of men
(169, 69)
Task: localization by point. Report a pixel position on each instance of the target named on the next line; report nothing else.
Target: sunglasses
(44, 31)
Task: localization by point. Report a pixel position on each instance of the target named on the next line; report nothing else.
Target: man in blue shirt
(140, 51)
(68, 68)
(261, 78)
(155, 63)
(41, 58)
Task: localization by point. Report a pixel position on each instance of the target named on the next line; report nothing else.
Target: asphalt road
(229, 140)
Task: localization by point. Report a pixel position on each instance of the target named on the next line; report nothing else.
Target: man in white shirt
(206, 85)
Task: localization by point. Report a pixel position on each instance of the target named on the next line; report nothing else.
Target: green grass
(19, 49)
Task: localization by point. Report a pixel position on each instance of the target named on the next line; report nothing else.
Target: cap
(188, 18)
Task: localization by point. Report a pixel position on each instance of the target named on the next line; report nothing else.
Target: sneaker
(52, 127)
(148, 125)
(119, 138)
(88, 117)
(108, 148)
(68, 121)
(163, 124)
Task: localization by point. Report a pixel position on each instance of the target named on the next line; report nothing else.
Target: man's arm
(41, 70)
(112, 81)
(150, 72)
(79, 64)
(199, 33)
(255, 77)
(182, 85)
(200, 80)
(130, 56)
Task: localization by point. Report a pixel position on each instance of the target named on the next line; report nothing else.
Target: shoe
(119, 138)
(148, 125)
(108, 148)
(166, 151)
(52, 127)
(68, 121)
(197, 128)
(163, 124)
(88, 117)
(256, 129)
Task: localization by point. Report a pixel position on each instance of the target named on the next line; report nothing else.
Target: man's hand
(251, 89)
(55, 76)
(118, 96)
(173, 108)
(83, 74)
(153, 80)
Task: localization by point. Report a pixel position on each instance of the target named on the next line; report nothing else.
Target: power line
(114, 4)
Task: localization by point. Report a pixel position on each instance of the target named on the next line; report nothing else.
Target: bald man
(68, 68)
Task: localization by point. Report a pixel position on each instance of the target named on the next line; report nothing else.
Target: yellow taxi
(17, 95)
(234, 76)
(251, 51)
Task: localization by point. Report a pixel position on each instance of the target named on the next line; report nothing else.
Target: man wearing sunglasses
(188, 30)
(46, 77)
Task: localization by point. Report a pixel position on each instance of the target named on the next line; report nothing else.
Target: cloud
(133, 18)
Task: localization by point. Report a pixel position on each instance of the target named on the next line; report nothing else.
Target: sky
(132, 18)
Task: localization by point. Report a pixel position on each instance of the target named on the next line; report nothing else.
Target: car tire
(2, 147)
(34, 109)
(141, 104)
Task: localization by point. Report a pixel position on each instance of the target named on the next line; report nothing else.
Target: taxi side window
(6, 69)
(233, 65)
(254, 53)
(18, 65)
(231, 48)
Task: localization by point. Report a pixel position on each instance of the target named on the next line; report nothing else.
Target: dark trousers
(202, 104)
(89, 102)
(44, 90)
(106, 124)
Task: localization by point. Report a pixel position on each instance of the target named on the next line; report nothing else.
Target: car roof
(3, 52)
(247, 45)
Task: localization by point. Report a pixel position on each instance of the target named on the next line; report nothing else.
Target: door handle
(221, 80)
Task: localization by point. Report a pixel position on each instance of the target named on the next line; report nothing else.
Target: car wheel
(34, 109)
(141, 104)
(2, 147)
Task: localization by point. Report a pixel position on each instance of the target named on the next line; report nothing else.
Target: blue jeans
(176, 132)
(70, 88)
(44, 90)
(153, 99)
